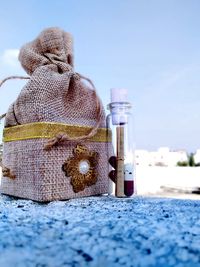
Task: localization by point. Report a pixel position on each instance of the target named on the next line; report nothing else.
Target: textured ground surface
(100, 231)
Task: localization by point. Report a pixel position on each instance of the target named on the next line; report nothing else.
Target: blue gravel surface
(100, 232)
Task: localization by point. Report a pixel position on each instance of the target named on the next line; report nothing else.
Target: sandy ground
(100, 231)
(151, 180)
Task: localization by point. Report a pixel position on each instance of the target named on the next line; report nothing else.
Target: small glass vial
(119, 121)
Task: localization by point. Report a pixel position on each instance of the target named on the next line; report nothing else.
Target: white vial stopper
(118, 113)
(119, 95)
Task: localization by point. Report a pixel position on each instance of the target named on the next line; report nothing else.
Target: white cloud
(10, 58)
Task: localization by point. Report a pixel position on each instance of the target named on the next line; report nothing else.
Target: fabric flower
(81, 168)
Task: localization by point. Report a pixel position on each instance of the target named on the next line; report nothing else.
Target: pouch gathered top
(56, 144)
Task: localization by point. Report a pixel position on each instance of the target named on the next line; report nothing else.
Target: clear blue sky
(152, 48)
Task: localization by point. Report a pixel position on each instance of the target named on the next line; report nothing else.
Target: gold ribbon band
(51, 129)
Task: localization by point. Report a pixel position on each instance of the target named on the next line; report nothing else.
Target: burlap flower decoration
(81, 168)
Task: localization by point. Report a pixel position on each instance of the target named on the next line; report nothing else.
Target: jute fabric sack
(55, 139)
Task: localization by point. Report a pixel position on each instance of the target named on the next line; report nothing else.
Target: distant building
(197, 157)
(142, 157)
(162, 157)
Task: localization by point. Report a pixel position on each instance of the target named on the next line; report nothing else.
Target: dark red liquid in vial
(128, 188)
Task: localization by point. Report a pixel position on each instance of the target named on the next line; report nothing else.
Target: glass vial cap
(119, 95)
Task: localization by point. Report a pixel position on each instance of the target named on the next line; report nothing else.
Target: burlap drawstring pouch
(55, 138)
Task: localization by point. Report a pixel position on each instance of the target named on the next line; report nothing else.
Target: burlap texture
(39, 172)
(54, 93)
